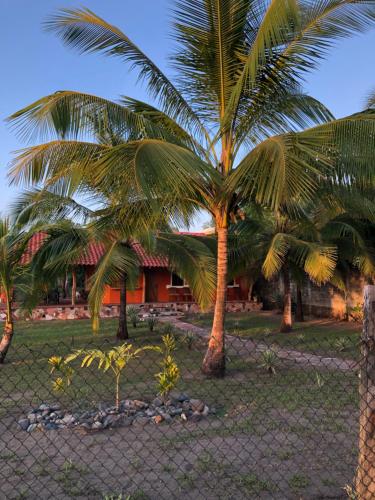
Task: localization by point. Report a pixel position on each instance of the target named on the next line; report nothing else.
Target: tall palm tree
(228, 127)
(14, 275)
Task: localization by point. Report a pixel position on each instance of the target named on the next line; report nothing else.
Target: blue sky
(35, 63)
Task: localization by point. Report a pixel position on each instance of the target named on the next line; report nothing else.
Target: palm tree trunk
(74, 287)
(122, 332)
(8, 331)
(299, 308)
(286, 323)
(214, 360)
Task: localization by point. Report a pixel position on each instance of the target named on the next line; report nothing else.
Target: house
(157, 283)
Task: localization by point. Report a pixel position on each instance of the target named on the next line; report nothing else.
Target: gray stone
(32, 418)
(110, 420)
(150, 413)
(157, 402)
(183, 417)
(32, 427)
(141, 405)
(180, 397)
(196, 405)
(44, 407)
(205, 411)
(174, 411)
(97, 425)
(55, 407)
(196, 416)
(68, 419)
(50, 426)
(24, 423)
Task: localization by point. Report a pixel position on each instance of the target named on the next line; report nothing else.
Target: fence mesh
(283, 423)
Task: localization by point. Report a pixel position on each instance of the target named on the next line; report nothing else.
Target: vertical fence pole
(365, 480)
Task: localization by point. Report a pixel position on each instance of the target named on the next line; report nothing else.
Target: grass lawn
(326, 337)
(289, 435)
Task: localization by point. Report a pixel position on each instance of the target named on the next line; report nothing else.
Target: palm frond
(87, 32)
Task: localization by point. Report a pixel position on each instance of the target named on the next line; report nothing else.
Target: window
(176, 281)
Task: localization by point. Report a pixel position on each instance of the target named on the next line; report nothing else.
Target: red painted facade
(154, 282)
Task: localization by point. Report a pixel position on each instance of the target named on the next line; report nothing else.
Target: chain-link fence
(283, 423)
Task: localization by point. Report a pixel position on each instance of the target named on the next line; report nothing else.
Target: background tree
(225, 130)
(14, 275)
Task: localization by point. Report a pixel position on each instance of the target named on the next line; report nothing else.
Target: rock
(68, 419)
(59, 414)
(97, 425)
(174, 411)
(24, 423)
(196, 405)
(158, 419)
(85, 425)
(32, 427)
(205, 411)
(196, 416)
(50, 426)
(166, 417)
(180, 397)
(184, 417)
(157, 402)
(150, 413)
(141, 405)
(110, 420)
(44, 407)
(125, 421)
(32, 418)
(55, 407)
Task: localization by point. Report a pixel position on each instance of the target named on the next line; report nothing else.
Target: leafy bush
(170, 373)
(65, 372)
(268, 361)
(132, 313)
(189, 339)
(342, 344)
(168, 329)
(356, 313)
(152, 321)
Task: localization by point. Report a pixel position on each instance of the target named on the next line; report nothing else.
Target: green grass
(326, 337)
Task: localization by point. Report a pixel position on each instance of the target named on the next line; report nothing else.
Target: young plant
(189, 340)
(152, 321)
(168, 329)
(170, 373)
(133, 316)
(114, 360)
(268, 361)
(64, 371)
(341, 344)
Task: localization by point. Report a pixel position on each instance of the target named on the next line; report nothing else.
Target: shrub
(168, 329)
(268, 361)
(170, 373)
(132, 313)
(152, 321)
(341, 344)
(64, 371)
(189, 339)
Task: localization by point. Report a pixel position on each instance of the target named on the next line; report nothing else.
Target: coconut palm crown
(233, 125)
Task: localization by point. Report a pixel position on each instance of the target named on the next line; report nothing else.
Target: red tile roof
(94, 252)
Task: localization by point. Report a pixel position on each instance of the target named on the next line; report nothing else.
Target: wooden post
(365, 480)
(74, 287)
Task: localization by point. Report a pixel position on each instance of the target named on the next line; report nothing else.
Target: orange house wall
(162, 277)
(112, 295)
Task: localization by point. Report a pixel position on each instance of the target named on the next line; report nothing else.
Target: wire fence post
(365, 481)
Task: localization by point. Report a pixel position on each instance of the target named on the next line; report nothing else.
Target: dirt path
(244, 346)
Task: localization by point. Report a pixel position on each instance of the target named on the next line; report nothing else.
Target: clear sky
(35, 63)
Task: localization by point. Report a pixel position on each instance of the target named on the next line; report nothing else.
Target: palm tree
(14, 275)
(226, 130)
(115, 227)
(285, 246)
